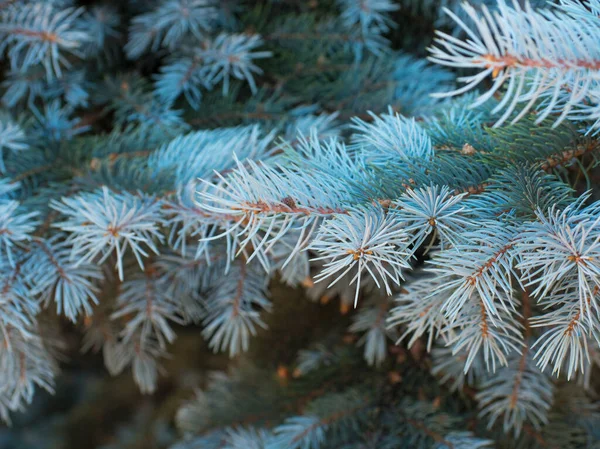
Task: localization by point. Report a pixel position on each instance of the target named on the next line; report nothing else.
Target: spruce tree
(376, 220)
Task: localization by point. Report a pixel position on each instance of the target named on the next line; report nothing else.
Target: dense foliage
(168, 166)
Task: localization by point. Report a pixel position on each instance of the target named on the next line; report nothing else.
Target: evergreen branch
(309, 430)
(103, 222)
(367, 239)
(567, 156)
(233, 310)
(536, 62)
(37, 33)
